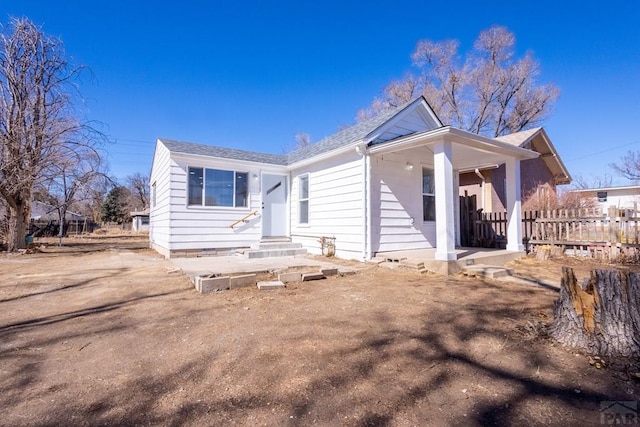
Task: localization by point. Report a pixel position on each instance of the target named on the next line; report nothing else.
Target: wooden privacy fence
(44, 228)
(490, 228)
(585, 231)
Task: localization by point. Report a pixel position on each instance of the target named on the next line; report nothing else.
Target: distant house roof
(359, 132)
(144, 212)
(537, 139)
(595, 190)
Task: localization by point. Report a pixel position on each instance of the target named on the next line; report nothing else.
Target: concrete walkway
(234, 264)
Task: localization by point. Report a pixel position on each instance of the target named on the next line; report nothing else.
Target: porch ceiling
(469, 151)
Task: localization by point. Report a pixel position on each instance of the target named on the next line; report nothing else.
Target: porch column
(445, 212)
(456, 204)
(514, 206)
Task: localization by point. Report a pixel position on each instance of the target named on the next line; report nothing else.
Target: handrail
(244, 219)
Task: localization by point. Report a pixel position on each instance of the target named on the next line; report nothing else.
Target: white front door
(274, 205)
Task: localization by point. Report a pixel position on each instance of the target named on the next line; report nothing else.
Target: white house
(140, 220)
(390, 183)
(625, 199)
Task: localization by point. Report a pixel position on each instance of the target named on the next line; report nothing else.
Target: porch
(464, 257)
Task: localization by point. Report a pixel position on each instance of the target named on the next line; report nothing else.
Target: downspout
(477, 172)
(366, 226)
(367, 249)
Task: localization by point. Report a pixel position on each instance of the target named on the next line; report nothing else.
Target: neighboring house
(140, 220)
(614, 201)
(45, 212)
(390, 183)
(538, 176)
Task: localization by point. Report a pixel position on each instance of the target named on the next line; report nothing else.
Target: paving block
(312, 276)
(275, 284)
(346, 272)
(242, 281)
(290, 277)
(329, 271)
(211, 284)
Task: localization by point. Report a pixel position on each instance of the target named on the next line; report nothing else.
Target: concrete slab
(487, 271)
(346, 272)
(237, 264)
(329, 272)
(312, 276)
(211, 284)
(242, 281)
(290, 277)
(275, 284)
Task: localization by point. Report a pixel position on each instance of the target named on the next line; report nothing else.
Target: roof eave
(454, 135)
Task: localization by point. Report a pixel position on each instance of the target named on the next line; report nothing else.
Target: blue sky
(251, 74)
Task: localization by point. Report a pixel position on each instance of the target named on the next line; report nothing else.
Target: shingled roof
(342, 138)
(226, 153)
(536, 139)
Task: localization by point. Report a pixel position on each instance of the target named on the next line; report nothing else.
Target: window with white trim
(303, 199)
(602, 196)
(428, 195)
(216, 187)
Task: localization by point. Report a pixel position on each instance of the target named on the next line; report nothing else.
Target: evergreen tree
(116, 206)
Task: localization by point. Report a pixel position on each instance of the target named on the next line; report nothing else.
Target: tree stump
(601, 317)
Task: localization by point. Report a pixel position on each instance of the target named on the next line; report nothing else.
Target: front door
(274, 205)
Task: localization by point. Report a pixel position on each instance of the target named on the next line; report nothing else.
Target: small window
(215, 187)
(195, 186)
(144, 220)
(303, 199)
(602, 196)
(428, 195)
(153, 194)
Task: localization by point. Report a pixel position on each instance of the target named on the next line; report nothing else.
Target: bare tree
(629, 166)
(72, 177)
(138, 185)
(581, 183)
(302, 140)
(38, 123)
(489, 93)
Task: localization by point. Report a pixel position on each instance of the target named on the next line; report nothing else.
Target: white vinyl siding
(206, 228)
(335, 206)
(397, 203)
(159, 214)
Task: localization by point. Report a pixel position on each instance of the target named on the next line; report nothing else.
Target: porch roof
(469, 150)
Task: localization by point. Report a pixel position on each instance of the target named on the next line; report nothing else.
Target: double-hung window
(428, 195)
(216, 187)
(303, 199)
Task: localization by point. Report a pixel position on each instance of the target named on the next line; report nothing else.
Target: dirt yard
(98, 332)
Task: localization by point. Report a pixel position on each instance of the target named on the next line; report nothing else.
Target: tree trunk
(18, 223)
(601, 317)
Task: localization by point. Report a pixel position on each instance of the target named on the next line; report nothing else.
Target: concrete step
(486, 271)
(275, 245)
(274, 284)
(271, 253)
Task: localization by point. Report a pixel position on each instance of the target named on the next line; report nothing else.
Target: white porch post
(456, 204)
(514, 206)
(445, 212)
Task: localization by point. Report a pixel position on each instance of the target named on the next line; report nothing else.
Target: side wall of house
(533, 173)
(623, 199)
(396, 202)
(159, 213)
(207, 229)
(336, 205)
